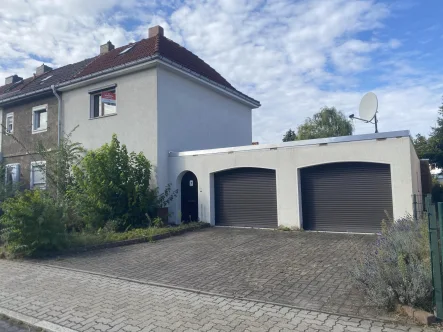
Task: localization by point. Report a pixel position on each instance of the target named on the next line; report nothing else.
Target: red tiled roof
(156, 45)
(41, 82)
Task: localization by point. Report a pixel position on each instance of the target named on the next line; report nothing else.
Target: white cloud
(293, 56)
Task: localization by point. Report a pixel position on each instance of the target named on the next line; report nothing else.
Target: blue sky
(293, 56)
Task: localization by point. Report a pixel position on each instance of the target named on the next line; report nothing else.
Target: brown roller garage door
(346, 197)
(246, 197)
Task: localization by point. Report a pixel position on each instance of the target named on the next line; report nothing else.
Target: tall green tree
(435, 141)
(432, 148)
(422, 146)
(289, 136)
(327, 123)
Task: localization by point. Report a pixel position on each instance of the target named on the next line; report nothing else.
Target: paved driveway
(308, 270)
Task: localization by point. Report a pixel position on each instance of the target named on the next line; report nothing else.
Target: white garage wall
(288, 158)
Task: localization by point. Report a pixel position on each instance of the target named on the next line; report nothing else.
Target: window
(127, 49)
(38, 174)
(12, 174)
(39, 118)
(10, 123)
(44, 79)
(103, 103)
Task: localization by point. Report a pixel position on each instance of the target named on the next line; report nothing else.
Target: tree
(290, 136)
(327, 123)
(422, 147)
(435, 141)
(432, 148)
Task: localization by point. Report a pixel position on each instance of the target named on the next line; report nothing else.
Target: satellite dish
(368, 106)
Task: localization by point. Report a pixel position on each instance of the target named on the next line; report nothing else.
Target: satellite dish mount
(368, 110)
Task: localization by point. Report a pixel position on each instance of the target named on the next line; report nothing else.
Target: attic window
(45, 78)
(126, 49)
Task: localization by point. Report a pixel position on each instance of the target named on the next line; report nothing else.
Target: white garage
(343, 184)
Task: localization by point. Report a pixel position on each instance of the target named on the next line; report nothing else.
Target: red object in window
(108, 97)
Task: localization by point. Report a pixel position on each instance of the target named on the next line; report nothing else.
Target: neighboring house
(29, 114)
(154, 94)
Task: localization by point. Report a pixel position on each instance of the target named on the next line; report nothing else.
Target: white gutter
(151, 62)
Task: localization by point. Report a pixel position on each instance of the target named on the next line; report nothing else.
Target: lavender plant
(397, 267)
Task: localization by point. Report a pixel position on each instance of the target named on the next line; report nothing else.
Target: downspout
(59, 133)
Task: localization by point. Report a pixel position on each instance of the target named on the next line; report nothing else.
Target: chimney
(42, 69)
(105, 48)
(154, 31)
(12, 79)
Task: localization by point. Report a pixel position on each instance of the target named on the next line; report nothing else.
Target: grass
(79, 240)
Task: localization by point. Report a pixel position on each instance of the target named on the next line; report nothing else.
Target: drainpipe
(59, 114)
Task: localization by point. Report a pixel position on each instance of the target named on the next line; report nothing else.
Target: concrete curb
(196, 291)
(34, 322)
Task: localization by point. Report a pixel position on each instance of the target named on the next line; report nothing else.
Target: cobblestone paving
(9, 326)
(303, 269)
(90, 303)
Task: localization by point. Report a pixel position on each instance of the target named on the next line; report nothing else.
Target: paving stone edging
(122, 243)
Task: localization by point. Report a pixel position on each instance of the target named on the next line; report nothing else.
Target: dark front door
(189, 197)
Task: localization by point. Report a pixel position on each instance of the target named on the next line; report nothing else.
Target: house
(162, 98)
(154, 94)
(29, 114)
(196, 129)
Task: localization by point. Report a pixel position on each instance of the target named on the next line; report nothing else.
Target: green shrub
(397, 268)
(32, 222)
(112, 184)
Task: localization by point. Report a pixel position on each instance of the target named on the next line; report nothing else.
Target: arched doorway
(189, 197)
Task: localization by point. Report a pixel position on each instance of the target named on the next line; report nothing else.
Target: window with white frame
(12, 174)
(38, 175)
(103, 103)
(39, 118)
(10, 123)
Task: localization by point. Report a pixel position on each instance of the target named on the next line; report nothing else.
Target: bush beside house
(397, 268)
(102, 196)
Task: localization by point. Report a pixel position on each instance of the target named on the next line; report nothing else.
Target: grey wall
(23, 127)
(193, 116)
(135, 122)
(24, 152)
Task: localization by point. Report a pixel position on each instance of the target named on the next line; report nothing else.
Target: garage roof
(319, 141)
